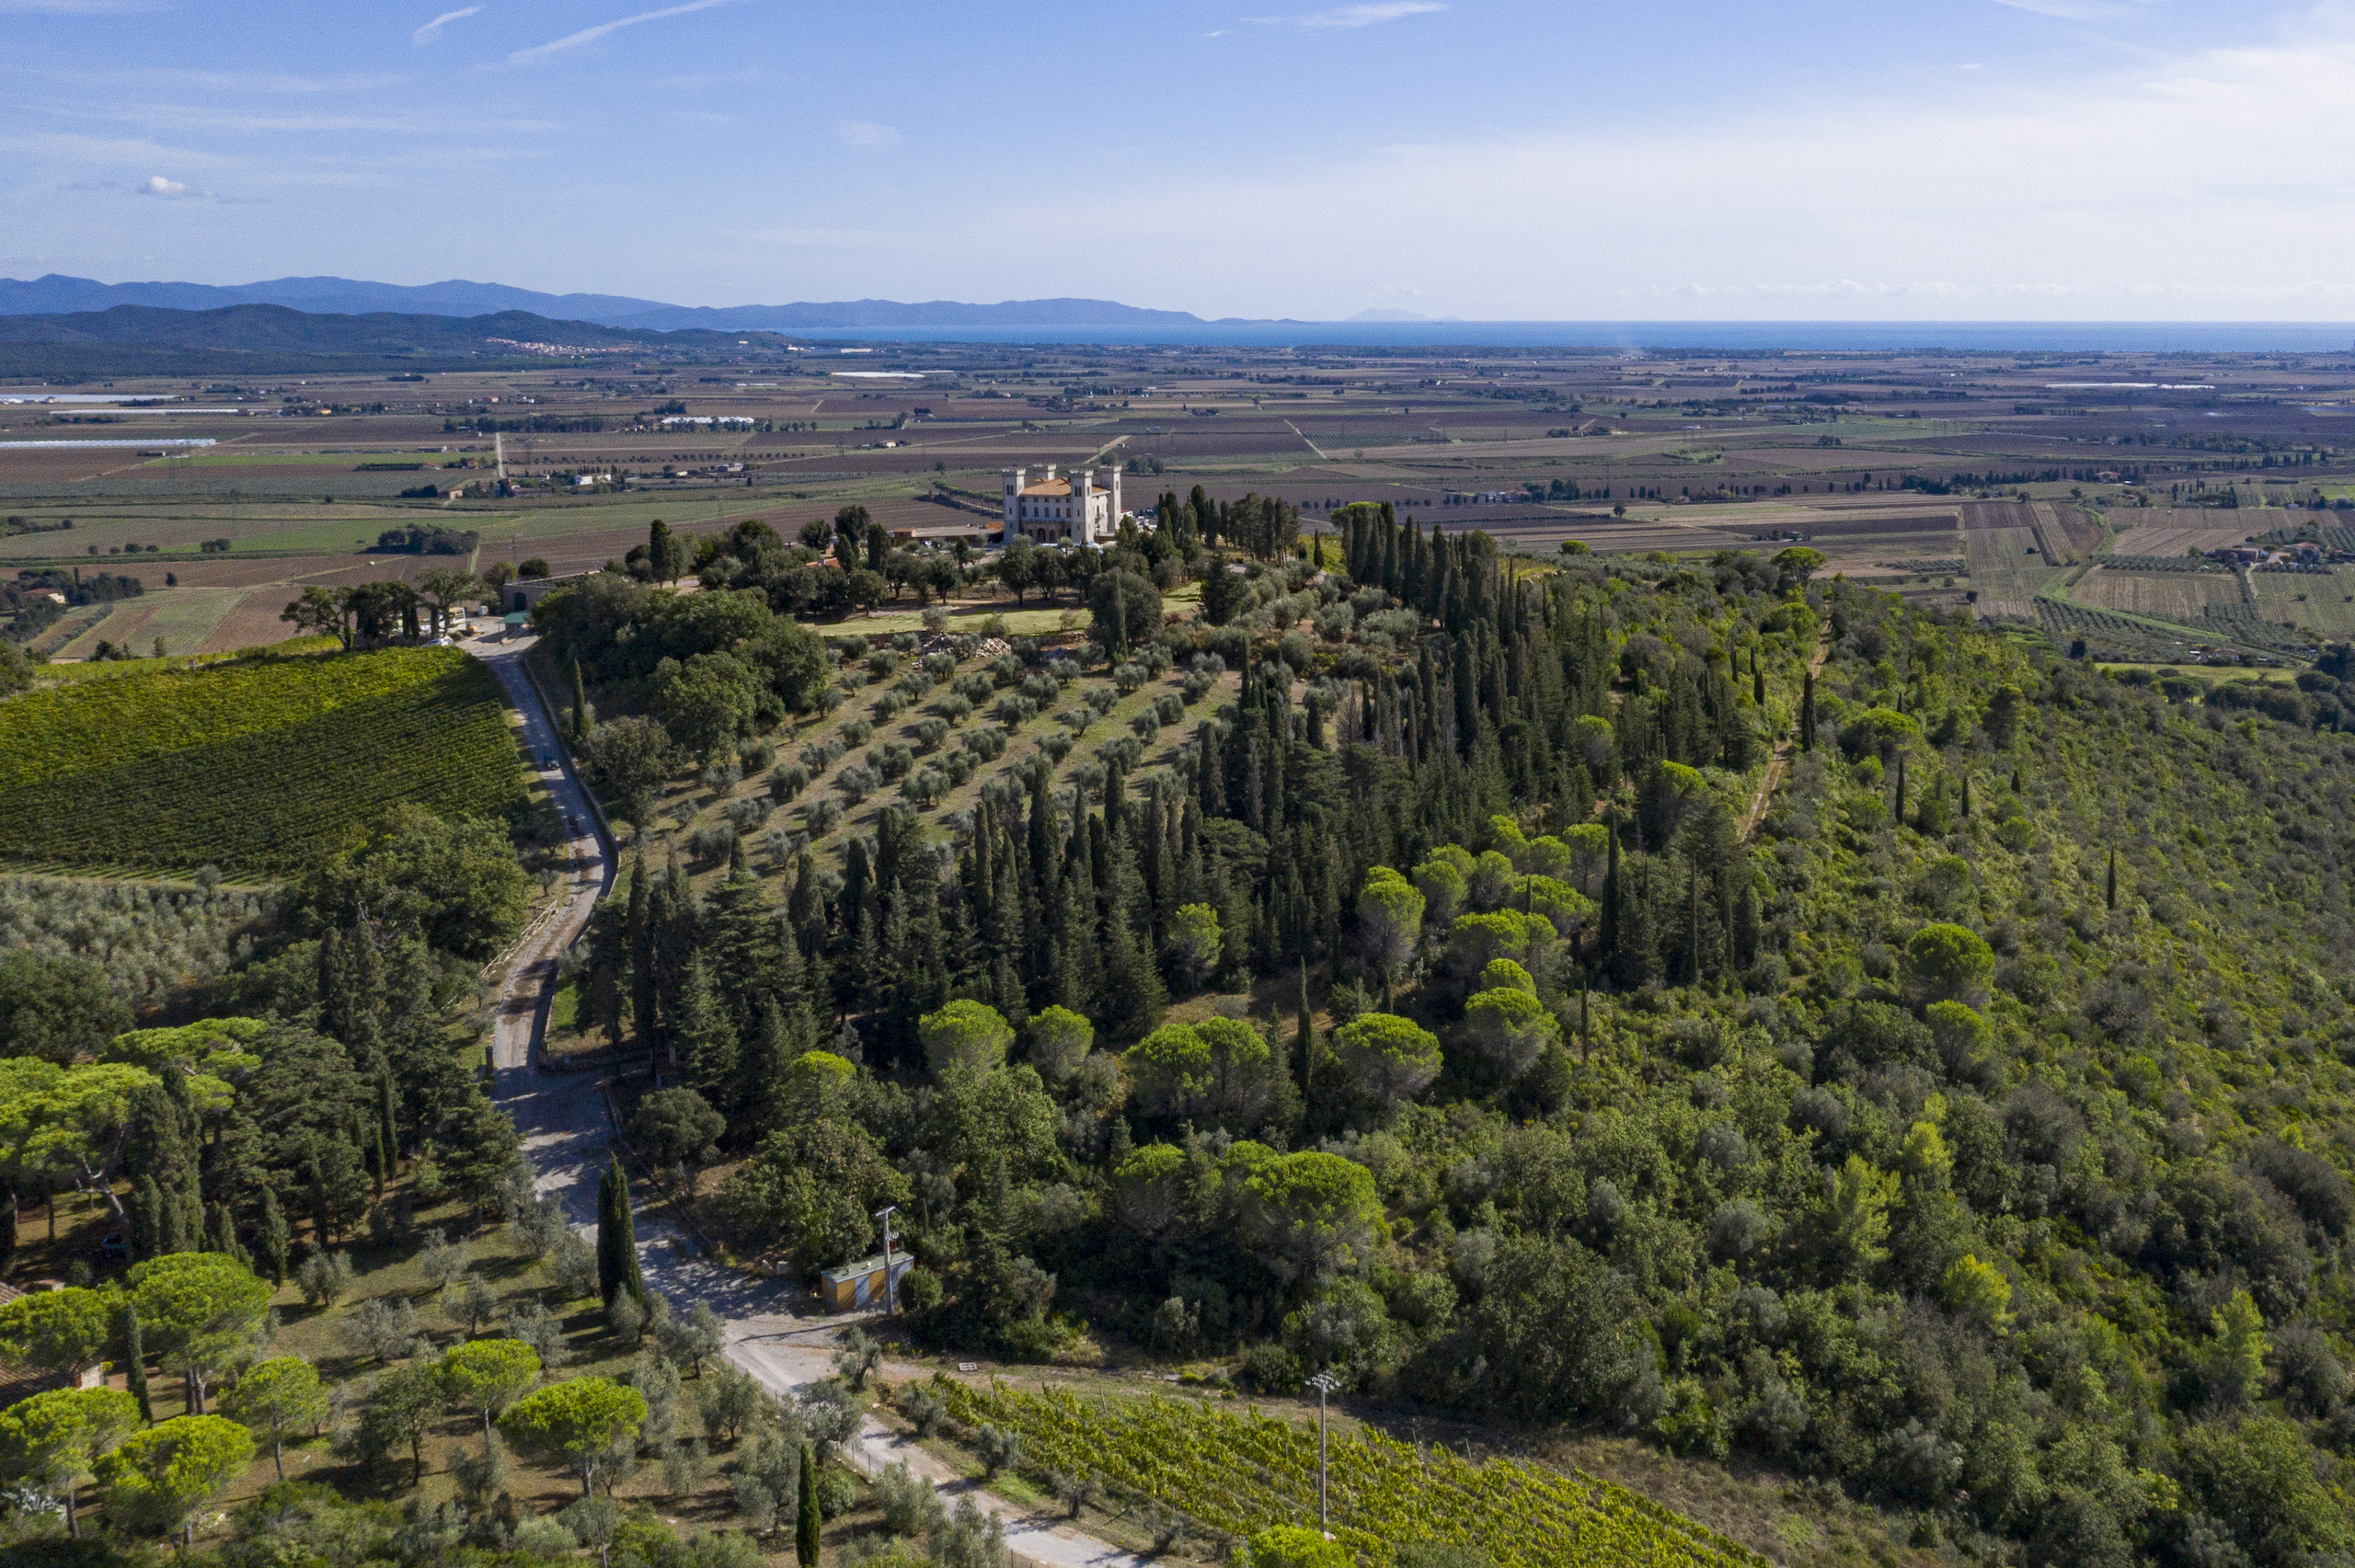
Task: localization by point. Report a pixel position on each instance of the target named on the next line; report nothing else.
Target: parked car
(114, 1246)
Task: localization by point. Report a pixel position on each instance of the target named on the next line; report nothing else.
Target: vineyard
(252, 767)
(1234, 1473)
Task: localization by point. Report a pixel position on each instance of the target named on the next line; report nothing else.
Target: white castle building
(1083, 508)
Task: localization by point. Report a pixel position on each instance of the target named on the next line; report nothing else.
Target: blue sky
(1493, 159)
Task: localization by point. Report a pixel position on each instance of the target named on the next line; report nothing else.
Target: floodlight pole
(890, 1284)
(1323, 1383)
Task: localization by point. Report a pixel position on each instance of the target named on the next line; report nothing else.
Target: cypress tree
(807, 1541)
(2109, 887)
(362, 1007)
(319, 1215)
(1900, 789)
(609, 1277)
(1757, 681)
(1305, 1037)
(1135, 998)
(134, 1362)
(707, 1041)
(765, 1067)
(1966, 798)
(580, 719)
(1692, 926)
(8, 1228)
(617, 1264)
(387, 1127)
(270, 1239)
(1807, 713)
(1613, 893)
(640, 927)
(146, 1220)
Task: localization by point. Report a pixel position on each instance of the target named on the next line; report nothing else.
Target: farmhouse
(522, 594)
(1082, 509)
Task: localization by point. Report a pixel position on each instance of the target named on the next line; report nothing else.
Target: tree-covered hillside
(1973, 1133)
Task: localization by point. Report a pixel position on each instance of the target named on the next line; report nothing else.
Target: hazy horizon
(2035, 160)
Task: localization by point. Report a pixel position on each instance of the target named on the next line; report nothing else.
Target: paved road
(561, 1115)
(564, 1125)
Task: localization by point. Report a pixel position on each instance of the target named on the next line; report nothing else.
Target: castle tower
(1013, 479)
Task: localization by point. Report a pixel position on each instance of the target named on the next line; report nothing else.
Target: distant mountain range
(264, 328)
(56, 294)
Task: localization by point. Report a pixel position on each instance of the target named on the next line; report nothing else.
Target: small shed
(857, 1285)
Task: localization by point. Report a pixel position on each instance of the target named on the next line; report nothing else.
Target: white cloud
(2076, 10)
(1999, 200)
(173, 191)
(431, 31)
(865, 133)
(1341, 16)
(590, 35)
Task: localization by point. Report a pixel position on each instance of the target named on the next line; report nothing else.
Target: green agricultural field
(253, 766)
(2008, 569)
(2324, 605)
(182, 617)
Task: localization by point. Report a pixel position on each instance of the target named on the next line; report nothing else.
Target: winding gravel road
(564, 1125)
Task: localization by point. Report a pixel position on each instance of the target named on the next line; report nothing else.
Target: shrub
(787, 780)
(711, 842)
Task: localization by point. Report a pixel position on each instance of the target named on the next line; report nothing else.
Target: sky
(2015, 160)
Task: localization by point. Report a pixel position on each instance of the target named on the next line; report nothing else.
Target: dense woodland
(1970, 1132)
(1973, 1135)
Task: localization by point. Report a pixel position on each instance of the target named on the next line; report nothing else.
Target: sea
(1636, 337)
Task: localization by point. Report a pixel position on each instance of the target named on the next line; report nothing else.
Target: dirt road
(1779, 763)
(565, 1129)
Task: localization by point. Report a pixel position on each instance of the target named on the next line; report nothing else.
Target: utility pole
(1323, 1383)
(890, 1284)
